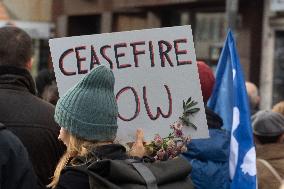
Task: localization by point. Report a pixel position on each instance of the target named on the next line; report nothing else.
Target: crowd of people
(66, 143)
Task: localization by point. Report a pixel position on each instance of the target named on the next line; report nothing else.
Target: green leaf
(184, 120)
(192, 125)
(189, 110)
(188, 100)
(193, 103)
(181, 118)
(192, 111)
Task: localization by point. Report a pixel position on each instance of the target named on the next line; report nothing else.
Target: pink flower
(171, 150)
(172, 153)
(177, 126)
(158, 140)
(171, 143)
(170, 146)
(178, 133)
(161, 153)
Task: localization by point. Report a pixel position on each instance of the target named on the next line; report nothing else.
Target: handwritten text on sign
(155, 71)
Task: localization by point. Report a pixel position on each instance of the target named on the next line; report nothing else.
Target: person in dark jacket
(87, 114)
(16, 171)
(209, 157)
(46, 86)
(268, 131)
(22, 112)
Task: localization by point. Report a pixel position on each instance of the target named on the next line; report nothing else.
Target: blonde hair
(279, 108)
(76, 147)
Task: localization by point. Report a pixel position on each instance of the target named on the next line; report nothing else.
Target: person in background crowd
(254, 98)
(279, 108)
(87, 114)
(268, 129)
(16, 171)
(46, 86)
(209, 157)
(21, 111)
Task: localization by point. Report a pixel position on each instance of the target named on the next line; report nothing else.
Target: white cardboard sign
(155, 70)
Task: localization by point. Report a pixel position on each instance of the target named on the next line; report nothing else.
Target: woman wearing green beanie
(87, 114)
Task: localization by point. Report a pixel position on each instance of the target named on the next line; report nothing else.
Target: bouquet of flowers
(175, 143)
(170, 146)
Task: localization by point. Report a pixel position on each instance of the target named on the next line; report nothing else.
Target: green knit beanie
(89, 109)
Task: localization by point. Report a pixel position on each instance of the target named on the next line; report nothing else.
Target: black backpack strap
(145, 172)
(81, 168)
(2, 126)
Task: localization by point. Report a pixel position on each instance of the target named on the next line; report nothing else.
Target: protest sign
(155, 70)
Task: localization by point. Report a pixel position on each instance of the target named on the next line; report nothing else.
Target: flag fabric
(229, 100)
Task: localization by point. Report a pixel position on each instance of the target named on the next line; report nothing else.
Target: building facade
(207, 18)
(33, 16)
(272, 59)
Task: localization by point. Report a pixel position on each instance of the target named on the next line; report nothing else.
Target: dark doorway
(84, 25)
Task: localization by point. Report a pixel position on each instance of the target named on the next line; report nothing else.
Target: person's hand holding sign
(138, 148)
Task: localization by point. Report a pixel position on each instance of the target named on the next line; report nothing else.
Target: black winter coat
(16, 171)
(30, 119)
(73, 179)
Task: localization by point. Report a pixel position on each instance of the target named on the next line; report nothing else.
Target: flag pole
(232, 7)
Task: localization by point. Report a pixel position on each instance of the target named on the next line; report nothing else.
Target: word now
(146, 104)
(102, 54)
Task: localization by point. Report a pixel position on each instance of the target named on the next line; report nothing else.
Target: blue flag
(230, 101)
